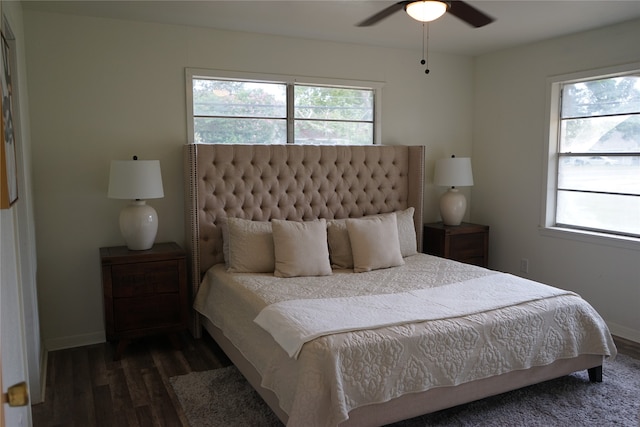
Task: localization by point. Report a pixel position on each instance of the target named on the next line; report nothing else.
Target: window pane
(601, 134)
(238, 99)
(333, 103)
(240, 131)
(600, 173)
(618, 95)
(619, 214)
(333, 133)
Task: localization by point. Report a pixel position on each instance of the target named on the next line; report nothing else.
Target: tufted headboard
(294, 182)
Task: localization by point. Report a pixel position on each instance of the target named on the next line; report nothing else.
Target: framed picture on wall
(8, 161)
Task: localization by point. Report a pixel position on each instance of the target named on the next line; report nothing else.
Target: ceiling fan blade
(383, 14)
(469, 14)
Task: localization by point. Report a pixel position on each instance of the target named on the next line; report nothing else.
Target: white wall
(508, 159)
(106, 89)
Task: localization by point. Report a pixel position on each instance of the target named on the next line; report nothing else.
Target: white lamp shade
(453, 172)
(426, 11)
(135, 180)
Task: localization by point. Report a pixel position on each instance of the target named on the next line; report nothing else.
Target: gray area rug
(222, 397)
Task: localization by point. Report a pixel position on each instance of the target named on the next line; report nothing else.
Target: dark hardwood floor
(86, 387)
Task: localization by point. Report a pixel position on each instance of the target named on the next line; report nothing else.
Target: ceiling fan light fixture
(426, 11)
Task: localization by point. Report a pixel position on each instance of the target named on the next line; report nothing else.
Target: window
(594, 149)
(333, 115)
(253, 109)
(236, 112)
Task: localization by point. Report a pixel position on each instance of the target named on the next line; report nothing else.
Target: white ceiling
(517, 21)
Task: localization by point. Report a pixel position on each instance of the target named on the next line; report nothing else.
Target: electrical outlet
(524, 265)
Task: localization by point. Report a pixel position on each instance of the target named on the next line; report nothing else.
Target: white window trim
(550, 163)
(191, 73)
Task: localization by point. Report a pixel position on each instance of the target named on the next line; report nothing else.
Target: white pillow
(250, 246)
(340, 251)
(300, 248)
(374, 243)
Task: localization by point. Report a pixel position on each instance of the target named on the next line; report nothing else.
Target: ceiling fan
(431, 10)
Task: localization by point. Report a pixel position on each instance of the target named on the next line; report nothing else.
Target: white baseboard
(624, 332)
(53, 344)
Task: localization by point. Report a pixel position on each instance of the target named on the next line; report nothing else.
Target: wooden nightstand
(466, 242)
(145, 292)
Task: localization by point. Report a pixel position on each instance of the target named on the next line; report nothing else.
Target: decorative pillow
(300, 248)
(407, 232)
(224, 229)
(250, 246)
(340, 245)
(374, 243)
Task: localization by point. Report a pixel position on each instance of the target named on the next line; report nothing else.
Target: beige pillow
(224, 229)
(374, 243)
(406, 232)
(250, 246)
(340, 245)
(300, 248)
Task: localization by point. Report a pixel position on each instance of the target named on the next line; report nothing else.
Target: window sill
(622, 242)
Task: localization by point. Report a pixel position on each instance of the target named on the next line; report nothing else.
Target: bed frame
(301, 182)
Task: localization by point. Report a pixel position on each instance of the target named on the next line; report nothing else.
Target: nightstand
(468, 243)
(145, 292)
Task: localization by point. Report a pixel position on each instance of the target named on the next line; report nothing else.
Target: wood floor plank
(207, 353)
(83, 407)
(145, 416)
(121, 399)
(97, 354)
(133, 373)
(194, 359)
(171, 361)
(164, 412)
(63, 383)
(103, 406)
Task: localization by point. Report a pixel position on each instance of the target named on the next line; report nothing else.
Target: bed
(447, 333)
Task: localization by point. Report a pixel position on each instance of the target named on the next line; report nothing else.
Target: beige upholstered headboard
(294, 182)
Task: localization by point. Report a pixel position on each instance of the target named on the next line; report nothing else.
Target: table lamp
(453, 172)
(137, 180)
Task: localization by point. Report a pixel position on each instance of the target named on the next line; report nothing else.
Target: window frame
(548, 225)
(290, 81)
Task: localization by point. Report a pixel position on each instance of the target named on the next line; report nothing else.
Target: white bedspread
(336, 373)
(295, 322)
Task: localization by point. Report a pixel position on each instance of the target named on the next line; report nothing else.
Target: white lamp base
(453, 205)
(139, 225)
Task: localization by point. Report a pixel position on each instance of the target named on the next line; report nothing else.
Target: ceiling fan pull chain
(425, 52)
(423, 61)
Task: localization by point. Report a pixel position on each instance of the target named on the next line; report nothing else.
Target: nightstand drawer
(468, 243)
(149, 278)
(467, 246)
(148, 312)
